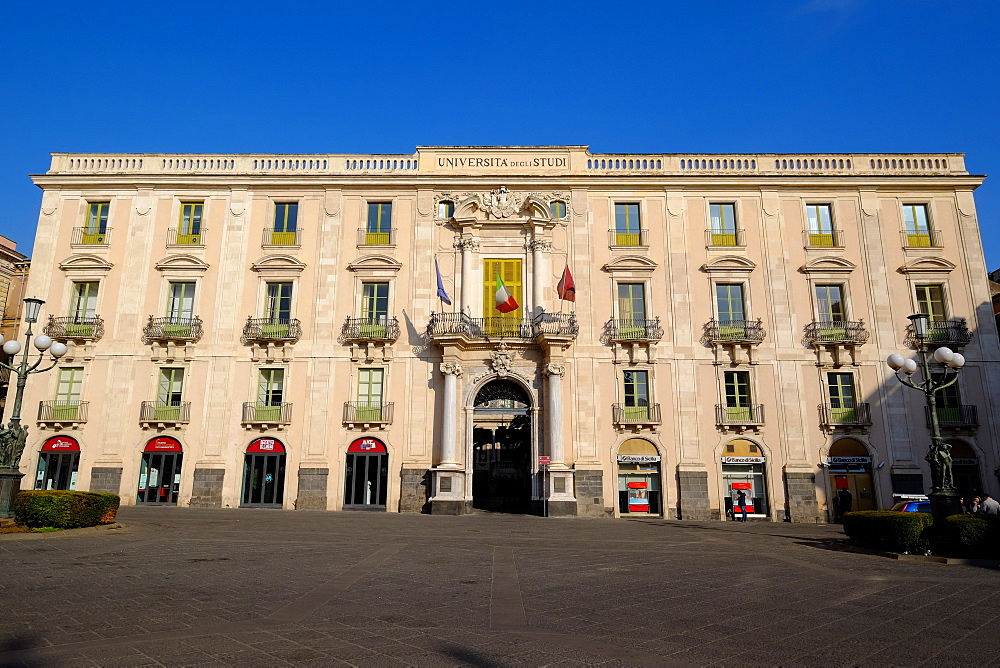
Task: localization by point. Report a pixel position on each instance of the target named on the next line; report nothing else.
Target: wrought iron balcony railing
(368, 412)
(55, 411)
(848, 332)
(274, 237)
(954, 332)
(922, 239)
(635, 415)
(735, 331)
(75, 328)
(556, 324)
(378, 328)
(954, 416)
(734, 237)
(386, 238)
(751, 415)
(633, 329)
(155, 411)
(258, 413)
(545, 324)
(172, 329)
(828, 239)
(83, 236)
(271, 329)
(175, 238)
(847, 413)
(638, 238)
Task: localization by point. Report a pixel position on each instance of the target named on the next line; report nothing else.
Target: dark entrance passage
(264, 474)
(366, 476)
(501, 448)
(160, 472)
(58, 464)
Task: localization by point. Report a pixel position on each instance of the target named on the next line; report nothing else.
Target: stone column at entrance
(553, 409)
(559, 491)
(449, 415)
(449, 493)
(538, 280)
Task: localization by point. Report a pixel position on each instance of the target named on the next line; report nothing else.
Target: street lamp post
(944, 498)
(14, 436)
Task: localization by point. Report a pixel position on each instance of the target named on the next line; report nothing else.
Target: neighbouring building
(275, 330)
(13, 271)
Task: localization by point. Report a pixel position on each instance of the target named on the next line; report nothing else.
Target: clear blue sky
(378, 77)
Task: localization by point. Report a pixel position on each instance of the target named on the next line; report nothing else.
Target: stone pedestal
(414, 488)
(590, 494)
(10, 485)
(449, 492)
(107, 479)
(692, 503)
(802, 505)
(559, 498)
(206, 490)
(312, 489)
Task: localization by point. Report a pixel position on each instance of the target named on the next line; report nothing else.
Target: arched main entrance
(501, 448)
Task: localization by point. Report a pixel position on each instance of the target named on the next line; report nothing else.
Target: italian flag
(505, 301)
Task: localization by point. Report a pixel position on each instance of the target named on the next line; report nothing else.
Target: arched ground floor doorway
(160, 472)
(58, 464)
(851, 484)
(501, 448)
(743, 471)
(639, 478)
(965, 470)
(366, 475)
(264, 474)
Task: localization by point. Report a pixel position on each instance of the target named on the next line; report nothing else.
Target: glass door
(263, 480)
(366, 481)
(159, 478)
(57, 470)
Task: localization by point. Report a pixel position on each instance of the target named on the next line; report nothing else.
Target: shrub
(65, 510)
(974, 535)
(889, 530)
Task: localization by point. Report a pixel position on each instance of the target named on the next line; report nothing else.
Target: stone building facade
(275, 330)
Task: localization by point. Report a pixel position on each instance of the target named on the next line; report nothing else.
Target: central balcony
(735, 331)
(739, 417)
(365, 414)
(445, 327)
(266, 415)
(271, 330)
(847, 414)
(379, 328)
(635, 417)
(834, 338)
(164, 415)
(172, 329)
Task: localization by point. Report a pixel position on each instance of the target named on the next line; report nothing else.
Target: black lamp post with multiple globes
(944, 498)
(13, 436)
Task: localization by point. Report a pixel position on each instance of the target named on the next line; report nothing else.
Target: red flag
(566, 288)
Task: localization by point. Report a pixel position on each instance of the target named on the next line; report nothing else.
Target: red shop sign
(367, 446)
(269, 446)
(742, 485)
(637, 485)
(164, 444)
(61, 444)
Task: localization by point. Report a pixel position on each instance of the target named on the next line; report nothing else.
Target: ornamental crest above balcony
(501, 203)
(501, 360)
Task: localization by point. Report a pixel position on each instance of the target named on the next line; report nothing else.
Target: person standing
(741, 501)
(845, 501)
(989, 506)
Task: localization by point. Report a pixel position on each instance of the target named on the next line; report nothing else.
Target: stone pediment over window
(375, 265)
(182, 264)
(630, 264)
(828, 265)
(729, 263)
(278, 265)
(83, 263)
(927, 265)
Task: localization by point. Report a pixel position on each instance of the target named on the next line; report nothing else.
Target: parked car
(915, 503)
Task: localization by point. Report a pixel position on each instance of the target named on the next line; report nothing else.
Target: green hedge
(974, 535)
(889, 530)
(65, 510)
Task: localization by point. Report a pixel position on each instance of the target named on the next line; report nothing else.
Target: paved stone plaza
(180, 586)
